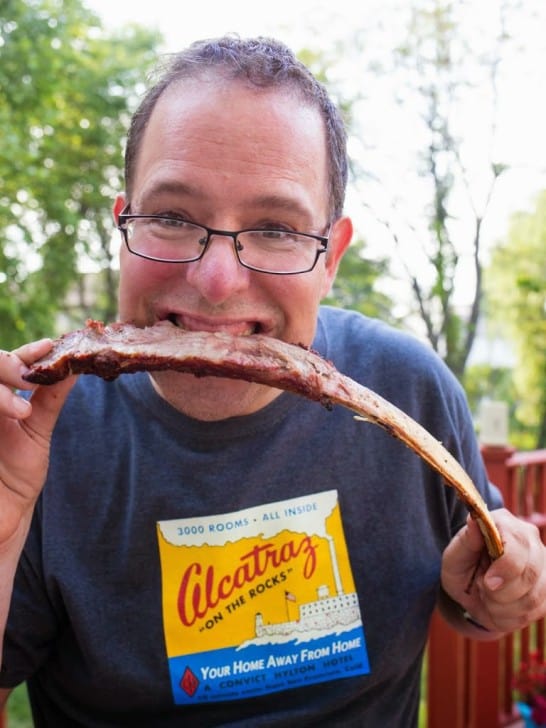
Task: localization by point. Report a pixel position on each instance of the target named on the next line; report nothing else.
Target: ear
(118, 206)
(340, 238)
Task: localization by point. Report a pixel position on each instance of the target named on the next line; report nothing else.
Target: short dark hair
(263, 63)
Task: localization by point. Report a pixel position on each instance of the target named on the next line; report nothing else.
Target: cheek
(308, 291)
(139, 279)
(299, 300)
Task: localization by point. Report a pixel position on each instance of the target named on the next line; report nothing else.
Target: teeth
(237, 329)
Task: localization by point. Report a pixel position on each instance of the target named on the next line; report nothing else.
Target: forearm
(10, 554)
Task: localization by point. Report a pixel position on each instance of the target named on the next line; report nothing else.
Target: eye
(169, 214)
(275, 229)
(166, 228)
(172, 222)
(273, 234)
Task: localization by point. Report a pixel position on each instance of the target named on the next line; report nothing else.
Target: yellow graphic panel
(247, 592)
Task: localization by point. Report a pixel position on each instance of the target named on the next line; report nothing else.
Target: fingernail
(494, 582)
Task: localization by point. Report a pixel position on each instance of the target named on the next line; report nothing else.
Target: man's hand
(503, 595)
(25, 435)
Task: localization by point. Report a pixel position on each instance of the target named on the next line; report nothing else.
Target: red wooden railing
(469, 684)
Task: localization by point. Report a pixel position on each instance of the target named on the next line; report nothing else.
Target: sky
(387, 135)
(181, 22)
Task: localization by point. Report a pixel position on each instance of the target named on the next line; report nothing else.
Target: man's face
(230, 158)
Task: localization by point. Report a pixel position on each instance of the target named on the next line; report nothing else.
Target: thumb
(47, 402)
(473, 536)
(464, 552)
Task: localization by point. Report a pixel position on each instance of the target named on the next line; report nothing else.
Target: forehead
(220, 132)
(216, 101)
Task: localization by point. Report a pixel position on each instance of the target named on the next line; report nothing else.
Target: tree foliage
(356, 285)
(516, 290)
(428, 164)
(66, 91)
(439, 64)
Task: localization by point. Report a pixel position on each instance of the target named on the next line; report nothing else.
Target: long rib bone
(109, 351)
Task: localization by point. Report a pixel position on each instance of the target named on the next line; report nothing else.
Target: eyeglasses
(174, 240)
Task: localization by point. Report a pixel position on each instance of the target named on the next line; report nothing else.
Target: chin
(212, 398)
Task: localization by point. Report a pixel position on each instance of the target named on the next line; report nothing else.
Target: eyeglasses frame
(125, 216)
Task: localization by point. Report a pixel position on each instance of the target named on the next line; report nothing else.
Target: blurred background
(444, 105)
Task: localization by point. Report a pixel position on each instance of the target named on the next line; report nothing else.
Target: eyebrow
(170, 188)
(278, 202)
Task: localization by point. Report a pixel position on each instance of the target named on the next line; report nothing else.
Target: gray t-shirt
(275, 569)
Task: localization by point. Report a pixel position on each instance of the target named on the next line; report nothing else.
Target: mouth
(236, 328)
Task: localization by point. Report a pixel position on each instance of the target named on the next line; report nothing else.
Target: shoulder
(395, 364)
(374, 348)
(409, 374)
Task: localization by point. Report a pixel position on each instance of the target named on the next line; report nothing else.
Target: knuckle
(518, 622)
(531, 575)
(535, 604)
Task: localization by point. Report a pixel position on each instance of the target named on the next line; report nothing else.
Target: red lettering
(225, 586)
(201, 591)
(189, 597)
(308, 548)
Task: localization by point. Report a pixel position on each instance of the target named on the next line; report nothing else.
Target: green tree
(516, 291)
(485, 382)
(425, 125)
(440, 66)
(66, 91)
(356, 285)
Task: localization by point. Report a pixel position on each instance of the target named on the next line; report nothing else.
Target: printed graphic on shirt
(259, 601)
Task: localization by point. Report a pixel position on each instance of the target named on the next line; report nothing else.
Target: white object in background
(493, 423)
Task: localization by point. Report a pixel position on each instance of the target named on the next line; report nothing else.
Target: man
(212, 551)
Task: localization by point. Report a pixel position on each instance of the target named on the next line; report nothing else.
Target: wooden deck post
(465, 687)
(446, 677)
(495, 459)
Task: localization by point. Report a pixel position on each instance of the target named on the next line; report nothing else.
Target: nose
(218, 275)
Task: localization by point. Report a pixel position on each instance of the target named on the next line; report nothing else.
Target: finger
(472, 537)
(12, 405)
(29, 353)
(520, 570)
(466, 549)
(12, 369)
(508, 611)
(14, 364)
